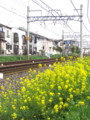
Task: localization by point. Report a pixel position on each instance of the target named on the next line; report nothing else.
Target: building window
(30, 46)
(24, 39)
(31, 39)
(16, 38)
(30, 49)
(49, 48)
(8, 46)
(2, 35)
(16, 49)
(7, 33)
(35, 40)
(34, 50)
(43, 47)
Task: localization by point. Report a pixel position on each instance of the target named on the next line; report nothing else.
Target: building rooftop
(1, 25)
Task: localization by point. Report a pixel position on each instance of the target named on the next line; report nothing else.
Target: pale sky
(48, 29)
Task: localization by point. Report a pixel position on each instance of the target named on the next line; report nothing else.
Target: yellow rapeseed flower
(56, 108)
(2, 87)
(14, 116)
(80, 103)
(59, 88)
(51, 86)
(51, 94)
(60, 106)
(71, 96)
(14, 107)
(24, 108)
(60, 98)
(68, 99)
(50, 100)
(88, 97)
(40, 65)
(43, 102)
(65, 105)
(48, 118)
(23, 89)
(22, 119)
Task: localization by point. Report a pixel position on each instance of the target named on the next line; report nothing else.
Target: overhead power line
(57, 13)
(88, 11)
(13, 12)
(39, 5)
(44, 8)
(47, 7)
(78, 14)
(74, 6)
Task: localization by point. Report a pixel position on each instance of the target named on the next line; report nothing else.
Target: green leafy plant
(61, 92)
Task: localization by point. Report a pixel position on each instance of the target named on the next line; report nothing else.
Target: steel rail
(10, 68)
(22, 67)
(22, 62)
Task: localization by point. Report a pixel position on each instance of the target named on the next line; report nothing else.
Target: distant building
(5, 39)
(13, 41)
(40, 43)
(66, 45)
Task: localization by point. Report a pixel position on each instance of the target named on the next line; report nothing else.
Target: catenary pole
(81, 39)
(63, 41)
(28, 38)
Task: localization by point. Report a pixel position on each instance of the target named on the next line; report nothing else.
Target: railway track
(19, 66)
(11, 67)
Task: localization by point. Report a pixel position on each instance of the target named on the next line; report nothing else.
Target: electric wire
(88, 11)
(13, 5)
(74, 6)
(78, 14)
(12, 12)
(66, 25)
(57, 13)
(49, 8)
(42, 8)
(39, 5)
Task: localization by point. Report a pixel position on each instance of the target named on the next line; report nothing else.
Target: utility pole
(63, 42)
(28, 37)
(81, 40)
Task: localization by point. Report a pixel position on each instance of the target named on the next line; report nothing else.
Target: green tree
(77, 50)
(42, 52)
(73, 49)
(59, 49)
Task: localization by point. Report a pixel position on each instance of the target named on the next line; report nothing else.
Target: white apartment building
(5, 39)
(13, 41)
(40, 43)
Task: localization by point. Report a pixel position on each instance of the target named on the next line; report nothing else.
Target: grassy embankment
(18, 58)
(32, 57)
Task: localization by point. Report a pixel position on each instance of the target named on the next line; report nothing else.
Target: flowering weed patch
(59, 93)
